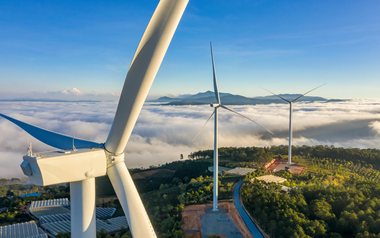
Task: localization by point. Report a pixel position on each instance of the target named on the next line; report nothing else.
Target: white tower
(290, 118)
(216, 106)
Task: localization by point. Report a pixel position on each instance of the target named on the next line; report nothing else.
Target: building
(54, 217)
(270, 179)
(22, 230)
(234, 171)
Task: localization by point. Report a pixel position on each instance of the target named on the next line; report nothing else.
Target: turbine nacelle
(64, 166)
(215, 105)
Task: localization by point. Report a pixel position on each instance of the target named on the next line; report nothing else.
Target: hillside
(231, 99)
(338, 196)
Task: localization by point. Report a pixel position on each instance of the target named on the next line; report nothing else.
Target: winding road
(251, 226)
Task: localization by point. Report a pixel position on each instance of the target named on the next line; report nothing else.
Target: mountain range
(232, 99)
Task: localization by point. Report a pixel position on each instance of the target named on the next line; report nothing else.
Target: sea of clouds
(162, 133)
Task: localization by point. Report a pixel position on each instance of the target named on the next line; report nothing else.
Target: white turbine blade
(229, 109)
(143, 70)
(51, 138)
(216, 91)
(276, 95)
(138, 220)
(308, 92)
(203, 126)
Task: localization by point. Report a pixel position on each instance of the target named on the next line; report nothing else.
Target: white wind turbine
(80, 165)
(290, 118)
(216, 106)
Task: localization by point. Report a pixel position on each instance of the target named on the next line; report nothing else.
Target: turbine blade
(308, 92)
(203, 126)
(229, 109)
(276, 95)
(138, 220)
(216, 91)
(142, 71)
(52, 138)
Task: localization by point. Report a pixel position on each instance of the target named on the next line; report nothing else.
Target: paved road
(251, 226)
(219, 223)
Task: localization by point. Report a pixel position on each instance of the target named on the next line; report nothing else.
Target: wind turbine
(290, 118)
(91, 159)
(216, 106)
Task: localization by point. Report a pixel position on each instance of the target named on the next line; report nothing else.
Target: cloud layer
(72, 94)
(162, 133)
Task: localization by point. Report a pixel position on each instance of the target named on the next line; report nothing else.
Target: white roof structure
(110, 225)
(101, 212)
(39, 236)
(241, 171)
(270, 179)
(21, 230)
(55, 218)
(50, 203)
(237, 170)
(57, 227)
(104, 212)
(44, 211)
(117, 222)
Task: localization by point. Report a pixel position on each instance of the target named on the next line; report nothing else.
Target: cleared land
(154, 173)
(278, 165)
(199, 221)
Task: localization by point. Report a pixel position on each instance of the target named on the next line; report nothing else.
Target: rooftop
(270, 179)
(237, 170)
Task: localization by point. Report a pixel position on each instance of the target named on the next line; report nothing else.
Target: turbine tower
(290, 118)
(90, 159)
(216, 106)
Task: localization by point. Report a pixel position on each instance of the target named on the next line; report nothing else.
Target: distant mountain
(165, 99)
(231, 99)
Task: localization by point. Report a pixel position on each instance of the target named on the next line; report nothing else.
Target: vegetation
(337, 196)
(237, 157)
(165, 197)
(260, 155)
(18, 189)
(11, 206)
(166, 204)
(4, 181)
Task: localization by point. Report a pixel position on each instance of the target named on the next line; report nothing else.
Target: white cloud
(162, 133)
(375, 125)
(73, 91)
(73, 94)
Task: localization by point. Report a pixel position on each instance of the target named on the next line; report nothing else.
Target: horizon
(75, 95)
(162, 133)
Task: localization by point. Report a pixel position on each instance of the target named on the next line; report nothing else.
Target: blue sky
(285, 46)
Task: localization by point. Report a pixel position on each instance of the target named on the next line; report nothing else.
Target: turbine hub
(114, 159)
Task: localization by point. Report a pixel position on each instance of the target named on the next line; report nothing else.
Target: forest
(350, 210)
(337, 196)
(260, 155)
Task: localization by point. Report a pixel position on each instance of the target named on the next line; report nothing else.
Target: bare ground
(191, 222)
